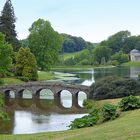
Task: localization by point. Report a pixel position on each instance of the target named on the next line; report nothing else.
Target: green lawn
(11, 80)
(42, 76)
(70, 55)
(126, 127)
(131, 64)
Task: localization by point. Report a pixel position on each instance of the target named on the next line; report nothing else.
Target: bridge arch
(65, 98)
(44, 93)
(24, 93)
(81, 96)
(9, 93)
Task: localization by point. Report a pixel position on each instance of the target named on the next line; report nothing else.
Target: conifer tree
(26, 65)
(7, 25)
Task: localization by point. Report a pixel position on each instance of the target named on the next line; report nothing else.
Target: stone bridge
(36, 87)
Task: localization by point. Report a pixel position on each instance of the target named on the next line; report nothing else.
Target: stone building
(135, 55)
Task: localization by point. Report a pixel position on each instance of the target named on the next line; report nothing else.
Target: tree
(100, 53)
(120, 57)
(45, 43)
(73, 44)
(6, 52)
(26, 65)
(7, 25)
(116, 41)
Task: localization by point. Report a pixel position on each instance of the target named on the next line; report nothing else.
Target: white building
(135, 55)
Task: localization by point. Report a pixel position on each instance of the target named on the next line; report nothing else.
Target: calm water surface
(45, 115)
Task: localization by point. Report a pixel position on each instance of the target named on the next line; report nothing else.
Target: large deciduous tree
(26, 65)
(101, 52)
(7, 25)
(45, 43)
(6, 52)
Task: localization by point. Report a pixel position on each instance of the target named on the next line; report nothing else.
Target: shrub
(86, 121)
(109, 112)
(114, 87)
(129, 103)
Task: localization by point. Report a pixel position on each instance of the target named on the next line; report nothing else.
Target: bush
(115, 87)
(109, 112)
(129, 103)
(98, 112)
(86, 121)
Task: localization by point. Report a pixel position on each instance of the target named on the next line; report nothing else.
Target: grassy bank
(137, 64)
(125, 127)
(42, 76)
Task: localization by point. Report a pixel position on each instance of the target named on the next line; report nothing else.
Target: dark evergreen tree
(7, 25)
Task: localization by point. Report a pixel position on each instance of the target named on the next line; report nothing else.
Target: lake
(45, 115)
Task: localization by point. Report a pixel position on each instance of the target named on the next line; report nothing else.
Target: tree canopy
(45, 43)
(7, 25)
(100, 53)
(116, 41)
(26, 65)
(73, 44)
(6, 52)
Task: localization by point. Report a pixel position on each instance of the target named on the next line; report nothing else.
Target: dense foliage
(119, 58)
(84, 57)
(116, 41)
(115, 87)
(7, 25)
(26, 66)
(73, 44)
(109, 112)
(86, 121)
(5, 56)
(45, 43)
(129, 103)
(3, 115)
(98, 113)
(100, 53)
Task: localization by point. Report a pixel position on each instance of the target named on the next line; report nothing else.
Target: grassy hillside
(70, 55)
(126, 127)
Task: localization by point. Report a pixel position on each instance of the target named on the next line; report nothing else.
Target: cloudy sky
(94, 20)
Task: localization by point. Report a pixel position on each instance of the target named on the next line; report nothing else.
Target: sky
(93, 20)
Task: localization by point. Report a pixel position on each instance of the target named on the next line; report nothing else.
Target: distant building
(135, 55)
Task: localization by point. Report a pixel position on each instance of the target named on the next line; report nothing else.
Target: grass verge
(137, 64)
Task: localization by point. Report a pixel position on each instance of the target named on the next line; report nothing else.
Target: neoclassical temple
(135, 55)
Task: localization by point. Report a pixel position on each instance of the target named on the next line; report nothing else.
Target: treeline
(113, 51)
(122, 41)
(74, 44)
(70, 44)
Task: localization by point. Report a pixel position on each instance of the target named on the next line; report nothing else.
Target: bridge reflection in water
(19, 109)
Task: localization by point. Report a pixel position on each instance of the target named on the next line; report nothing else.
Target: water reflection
(90, 75)
(33, 123)
(134, 71)
(37, 116)
(66, 99)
